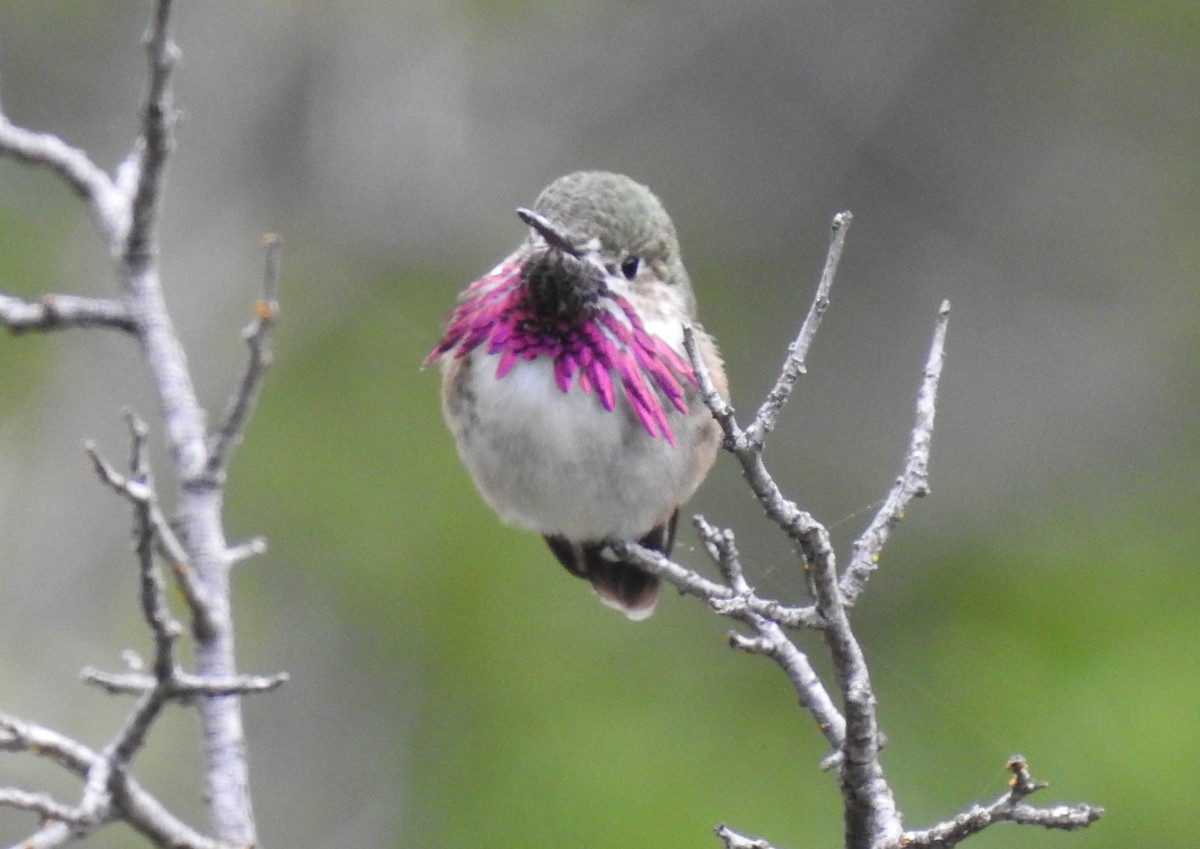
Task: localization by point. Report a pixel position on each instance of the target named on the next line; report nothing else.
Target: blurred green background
(1033, 163)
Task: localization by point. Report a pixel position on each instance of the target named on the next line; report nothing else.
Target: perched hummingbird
(567, 388)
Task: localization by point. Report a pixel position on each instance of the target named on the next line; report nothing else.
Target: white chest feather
(558, 462)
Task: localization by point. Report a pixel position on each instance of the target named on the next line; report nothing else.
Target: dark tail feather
(618, 583)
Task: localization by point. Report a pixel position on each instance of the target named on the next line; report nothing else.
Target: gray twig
(182, 685)
(156, 141)
(258, 338)
(44, 806)
(200, 497)
(126, 208)
(243, 551)
(108, 204)
(1008, 807)
(871, 817)
(154, 528)
(806, 532)
(720, 597)
(913, 483)
(129, 800)
(795, 364)
(733, 840)
(57, 312)
(870, 809)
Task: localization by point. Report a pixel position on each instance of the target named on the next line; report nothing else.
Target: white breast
(559, 463)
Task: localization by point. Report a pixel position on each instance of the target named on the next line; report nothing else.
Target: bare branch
(237, 685)
(42, 805)
(794, 365)
(723, 599)
(872, 819)
(805, 531)
(134, 490)
(157, 139)
(871, 814)
(108, 205)
(242, 552)
(19, 736)
(140, 493)
(1009, 807)
(771, 641)
(72, 164)
(137, 807)
(107, 778)
(119, 683)
(870, 807)
(118, 754)
(58, 312)
(182, 685)
(258, 337)
(148, 817)
(657, 563)
(52, 834)
(127, 209)
(737, 601)
(813, 697)
(722, 549)
(913, 483)
(721, 409)
(155, 610)
(733, 840)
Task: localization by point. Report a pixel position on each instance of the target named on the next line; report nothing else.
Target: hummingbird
(567, 388)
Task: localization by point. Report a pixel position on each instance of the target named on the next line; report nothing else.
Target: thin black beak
(547, 231)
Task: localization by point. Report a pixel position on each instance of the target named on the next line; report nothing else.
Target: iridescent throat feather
(594, 343)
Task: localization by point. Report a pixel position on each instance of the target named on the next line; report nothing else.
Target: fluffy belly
(559, 463)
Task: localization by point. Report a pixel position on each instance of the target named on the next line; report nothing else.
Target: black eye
(629, 267)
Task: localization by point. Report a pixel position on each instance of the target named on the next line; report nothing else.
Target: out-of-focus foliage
(451, 685)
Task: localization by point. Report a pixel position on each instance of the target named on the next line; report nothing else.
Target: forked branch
(844, 711)
(191, 544)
